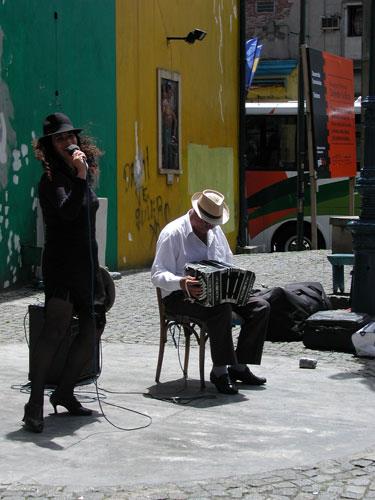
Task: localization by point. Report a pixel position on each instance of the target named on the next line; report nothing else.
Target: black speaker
(90, 371)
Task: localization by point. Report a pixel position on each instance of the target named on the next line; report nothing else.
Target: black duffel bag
(291, 305)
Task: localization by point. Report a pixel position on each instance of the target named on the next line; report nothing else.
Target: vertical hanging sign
(253, 50)
(331, 96)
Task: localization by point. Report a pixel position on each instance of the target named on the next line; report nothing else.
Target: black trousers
(250, 342)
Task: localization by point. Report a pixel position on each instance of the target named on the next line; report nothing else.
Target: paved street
(308, 434)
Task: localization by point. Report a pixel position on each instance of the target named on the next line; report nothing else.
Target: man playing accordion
(195, 237)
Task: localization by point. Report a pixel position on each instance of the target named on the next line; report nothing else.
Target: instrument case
(333, 330)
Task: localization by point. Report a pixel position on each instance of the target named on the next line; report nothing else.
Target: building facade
(204, 78)
(165, 112)
(331, 25)
(51, 60)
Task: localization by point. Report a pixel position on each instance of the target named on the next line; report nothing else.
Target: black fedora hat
(57, 123)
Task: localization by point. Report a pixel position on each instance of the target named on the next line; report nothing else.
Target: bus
(271, 181)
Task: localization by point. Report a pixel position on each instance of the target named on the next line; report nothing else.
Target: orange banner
(339, 86)
(331, 84)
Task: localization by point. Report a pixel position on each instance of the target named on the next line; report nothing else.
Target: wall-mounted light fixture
(196, 34)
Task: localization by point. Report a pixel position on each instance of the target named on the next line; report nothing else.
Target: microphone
(73, 147)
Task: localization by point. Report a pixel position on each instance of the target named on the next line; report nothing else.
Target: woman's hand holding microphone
(78, 160)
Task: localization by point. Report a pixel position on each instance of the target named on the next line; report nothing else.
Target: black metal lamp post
(363, 230)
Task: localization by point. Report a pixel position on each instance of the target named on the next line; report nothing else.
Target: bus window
(271, 142)
(271, 180)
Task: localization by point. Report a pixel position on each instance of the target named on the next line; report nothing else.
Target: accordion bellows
(221, 282)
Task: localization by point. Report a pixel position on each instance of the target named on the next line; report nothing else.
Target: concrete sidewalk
(300, 418)
(306, 434)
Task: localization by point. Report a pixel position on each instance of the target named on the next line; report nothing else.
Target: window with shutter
(265, 6)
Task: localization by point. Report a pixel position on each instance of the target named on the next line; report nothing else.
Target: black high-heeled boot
(33, 418)
(71, 403)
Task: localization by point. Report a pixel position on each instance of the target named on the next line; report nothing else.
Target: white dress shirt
(177, 245)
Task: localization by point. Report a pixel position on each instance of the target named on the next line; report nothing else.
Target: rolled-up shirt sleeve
(163, 271)
(228, 257)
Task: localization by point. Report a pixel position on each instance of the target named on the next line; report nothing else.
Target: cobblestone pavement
(333, 479)
(134, 319)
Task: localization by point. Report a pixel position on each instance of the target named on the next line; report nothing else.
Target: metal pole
(310, 150)
(301, 132)
(371, 69)
(363, 297)
(242, 230)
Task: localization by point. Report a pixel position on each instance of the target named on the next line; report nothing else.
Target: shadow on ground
(55, 426)
(189, 393)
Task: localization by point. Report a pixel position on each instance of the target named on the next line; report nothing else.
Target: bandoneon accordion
(221, 282)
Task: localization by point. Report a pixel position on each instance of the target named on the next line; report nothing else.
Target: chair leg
(187, 352)
(163, 340)
(202, 345)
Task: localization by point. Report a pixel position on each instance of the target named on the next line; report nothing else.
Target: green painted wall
(52, 64)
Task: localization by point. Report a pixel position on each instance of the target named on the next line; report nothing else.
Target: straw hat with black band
(210, 206)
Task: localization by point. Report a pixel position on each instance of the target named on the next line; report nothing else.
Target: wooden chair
(191, 326)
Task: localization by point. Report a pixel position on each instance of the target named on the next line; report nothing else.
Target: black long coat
(70, 257)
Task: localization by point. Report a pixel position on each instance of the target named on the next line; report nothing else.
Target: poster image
(169, 129)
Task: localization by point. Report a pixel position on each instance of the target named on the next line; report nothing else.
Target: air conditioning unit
(330, 23)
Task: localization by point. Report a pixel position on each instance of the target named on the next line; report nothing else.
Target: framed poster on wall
(169, 123)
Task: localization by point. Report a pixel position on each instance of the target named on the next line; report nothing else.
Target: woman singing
(70, 263)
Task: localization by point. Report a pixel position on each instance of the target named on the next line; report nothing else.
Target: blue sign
(253, 50)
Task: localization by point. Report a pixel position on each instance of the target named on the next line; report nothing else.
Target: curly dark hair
(45, 152)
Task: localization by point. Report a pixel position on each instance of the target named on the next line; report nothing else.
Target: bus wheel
(291, 244)
(286, 240)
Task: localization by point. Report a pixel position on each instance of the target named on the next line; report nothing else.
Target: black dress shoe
(223, 383)
(246, 377)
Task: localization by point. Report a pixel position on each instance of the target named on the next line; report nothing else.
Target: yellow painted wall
(289, 92)
(209, 115)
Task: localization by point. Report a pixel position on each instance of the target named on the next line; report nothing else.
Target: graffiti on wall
(16, 206)
(136, 173)
(12, 190)
(150, 212)
(7, 134)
